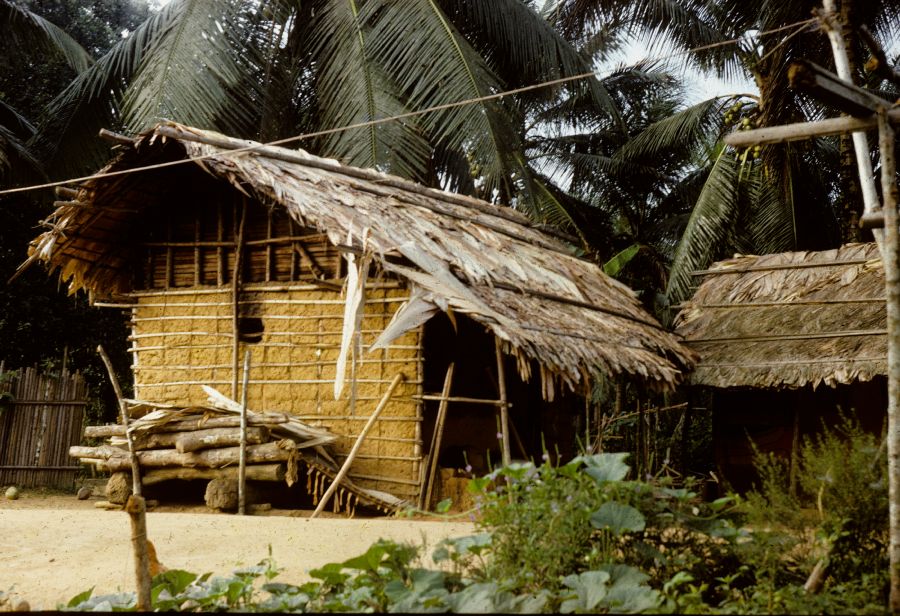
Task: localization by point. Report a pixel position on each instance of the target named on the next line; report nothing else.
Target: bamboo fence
(41, 416)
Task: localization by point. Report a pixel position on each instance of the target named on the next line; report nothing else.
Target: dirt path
(52, 548)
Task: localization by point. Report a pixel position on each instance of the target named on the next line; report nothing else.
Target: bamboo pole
(242, 460)
(437, 436)
(504, 408)
(891, 260)
(359, 440)
(136, 506)
(860, 141)
(236, 298)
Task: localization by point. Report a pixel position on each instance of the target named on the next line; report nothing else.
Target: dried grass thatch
(473, 257)
(789, 320)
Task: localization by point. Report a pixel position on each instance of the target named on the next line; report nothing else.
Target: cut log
(222, 494)
(103, 452)
(217, 437)
(186, 425)
(255, 472)
(209, 458)
(104, 431)
(119, 486)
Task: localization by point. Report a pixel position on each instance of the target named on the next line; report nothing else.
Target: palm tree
(276, 68)
(764, 200)
(28, 38)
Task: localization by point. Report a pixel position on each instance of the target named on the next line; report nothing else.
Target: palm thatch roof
(489, 262)
(789, 319)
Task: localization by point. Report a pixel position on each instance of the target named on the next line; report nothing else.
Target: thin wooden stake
(235, 300)
(136, 506)
(359, 440)
(504, 409)
(242, 460)
(437, 437)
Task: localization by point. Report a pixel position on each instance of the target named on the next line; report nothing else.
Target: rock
(22, 606)
(118, 488)
(84, 493)
(12, 493)
(222, 494)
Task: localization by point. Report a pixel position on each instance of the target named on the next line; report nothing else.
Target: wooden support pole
(437, 437)
(136, 506)
(242, 461)
(235, 299)
(891, 261)
(860, 141)
(359, 441)
(504, 409)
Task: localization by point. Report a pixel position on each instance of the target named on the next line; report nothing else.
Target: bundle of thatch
(203, 442)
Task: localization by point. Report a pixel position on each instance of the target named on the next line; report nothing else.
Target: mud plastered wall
(182, 339)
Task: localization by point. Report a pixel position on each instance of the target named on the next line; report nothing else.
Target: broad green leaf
(620, 260)
(604, 467)
(618, 518)
(590, 590)
(444, 505)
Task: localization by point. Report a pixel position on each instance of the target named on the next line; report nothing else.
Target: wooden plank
(806, 130)
(824, 85)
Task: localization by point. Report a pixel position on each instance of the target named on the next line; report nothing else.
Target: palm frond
(709, 227)
(66, 138)
(352, 88)
(17, 163)
(771, 226)
(28, 32)
(188, 71)
(692, 128)
(432, 64)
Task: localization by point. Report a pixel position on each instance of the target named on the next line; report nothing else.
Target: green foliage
(570, 539)
(842, 501)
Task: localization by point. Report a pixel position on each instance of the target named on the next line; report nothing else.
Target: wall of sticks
(41, 416)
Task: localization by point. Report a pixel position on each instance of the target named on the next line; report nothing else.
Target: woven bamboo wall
(182, 338)
(38, 424)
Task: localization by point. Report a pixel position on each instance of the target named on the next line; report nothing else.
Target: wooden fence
(41, 416)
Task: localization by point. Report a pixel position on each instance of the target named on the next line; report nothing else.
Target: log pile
(203, 443)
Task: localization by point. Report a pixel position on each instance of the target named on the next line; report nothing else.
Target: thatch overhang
(789, 319)
(489, 262)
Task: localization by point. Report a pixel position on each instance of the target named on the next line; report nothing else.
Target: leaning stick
(136, 506)
(242, 461)
(438, 435)
(362, 435)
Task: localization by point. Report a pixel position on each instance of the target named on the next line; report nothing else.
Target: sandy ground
(53, 546)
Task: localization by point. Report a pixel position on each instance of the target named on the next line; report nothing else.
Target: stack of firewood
(203, 442)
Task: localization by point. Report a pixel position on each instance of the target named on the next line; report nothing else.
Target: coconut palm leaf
(524, 48)
(188, 70)
(680, 133)
(352, 88)
(709, 227)
(28, 32)
(66, 138)
(772, 225)
(438, 66)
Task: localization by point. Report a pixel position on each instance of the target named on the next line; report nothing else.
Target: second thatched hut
(787, 343)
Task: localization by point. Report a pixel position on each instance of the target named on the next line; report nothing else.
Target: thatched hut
(216, 249)
(786, 341)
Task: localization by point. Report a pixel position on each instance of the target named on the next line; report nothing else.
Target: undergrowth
(582, 537)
